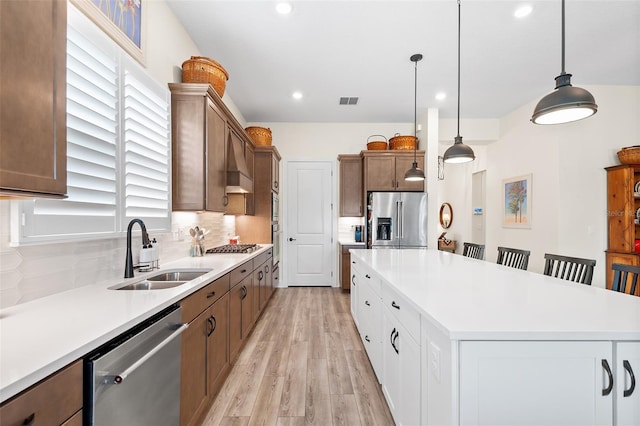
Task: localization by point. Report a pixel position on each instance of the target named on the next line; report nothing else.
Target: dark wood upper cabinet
(384, 170)
(33, 130)
(199, 138)
(351, 189)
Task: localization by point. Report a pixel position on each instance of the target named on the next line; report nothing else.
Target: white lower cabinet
(535, 383)
(355, 290)
(627, 388)
(370, 326)
(401, 371)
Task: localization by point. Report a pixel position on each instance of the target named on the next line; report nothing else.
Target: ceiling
(330, 49)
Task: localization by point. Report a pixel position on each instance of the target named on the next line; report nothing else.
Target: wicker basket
(629, 155)
(200, 69)
(377, 145)
(403, 142)
(259, 135)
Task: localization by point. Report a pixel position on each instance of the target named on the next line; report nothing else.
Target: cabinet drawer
(50, 402)
(193, 305)
(406, 314)
(260, 259)
(372, 280)
(241, 272)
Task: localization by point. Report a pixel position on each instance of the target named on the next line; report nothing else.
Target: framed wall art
(122, 20)
(516, 202)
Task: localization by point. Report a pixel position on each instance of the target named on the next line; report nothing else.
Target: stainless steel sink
(166, 279)
(151, 285)
(178, 275)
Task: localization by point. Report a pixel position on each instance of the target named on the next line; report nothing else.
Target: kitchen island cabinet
(33, 135)
(503, 346)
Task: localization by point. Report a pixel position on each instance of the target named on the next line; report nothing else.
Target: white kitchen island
(460, 341)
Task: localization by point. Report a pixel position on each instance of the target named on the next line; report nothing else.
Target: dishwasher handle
(119, 378)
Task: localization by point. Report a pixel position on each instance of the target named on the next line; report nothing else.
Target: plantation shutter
(92, 124)
(117, 146)
(146, 162)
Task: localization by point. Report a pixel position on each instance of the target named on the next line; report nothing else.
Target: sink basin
(178, 275)
(151, 285)
(166, 279)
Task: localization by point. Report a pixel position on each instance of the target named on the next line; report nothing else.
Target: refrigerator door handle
(400, 219)
(397, 220)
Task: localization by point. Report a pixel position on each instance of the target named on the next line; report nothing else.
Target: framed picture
(122, 20)
(516, 202)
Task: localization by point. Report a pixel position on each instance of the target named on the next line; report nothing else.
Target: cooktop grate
(233, 248)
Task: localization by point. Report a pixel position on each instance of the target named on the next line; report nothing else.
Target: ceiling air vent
(349, 100)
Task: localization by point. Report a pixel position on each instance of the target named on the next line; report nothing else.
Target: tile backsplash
(31, 272)
(347, 228)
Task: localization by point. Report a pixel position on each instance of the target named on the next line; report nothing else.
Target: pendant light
(414, 173)
(567, 103)
(459, 152)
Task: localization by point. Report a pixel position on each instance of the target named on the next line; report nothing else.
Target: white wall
(567, 161)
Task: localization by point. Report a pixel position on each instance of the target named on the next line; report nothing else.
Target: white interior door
(308, 227)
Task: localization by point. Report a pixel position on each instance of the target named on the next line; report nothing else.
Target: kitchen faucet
(128, 267)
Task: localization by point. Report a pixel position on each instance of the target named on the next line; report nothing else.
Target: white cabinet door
(370, 314)
(535, 383)
(627, 409)
(400, 371)
(355, 290)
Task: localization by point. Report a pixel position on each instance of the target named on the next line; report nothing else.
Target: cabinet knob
(210, 295)
(395, 305)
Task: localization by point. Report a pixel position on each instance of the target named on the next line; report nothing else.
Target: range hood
(238, 177)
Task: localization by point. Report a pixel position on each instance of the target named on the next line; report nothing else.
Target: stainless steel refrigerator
(397, 220)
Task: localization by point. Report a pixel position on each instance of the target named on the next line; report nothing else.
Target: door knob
(291, 239)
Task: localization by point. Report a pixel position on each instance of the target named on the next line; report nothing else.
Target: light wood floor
(303, 364)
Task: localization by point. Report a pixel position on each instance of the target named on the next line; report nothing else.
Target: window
(117, 146)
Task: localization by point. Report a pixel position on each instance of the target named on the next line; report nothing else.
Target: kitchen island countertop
(40, 337)
(470, 299)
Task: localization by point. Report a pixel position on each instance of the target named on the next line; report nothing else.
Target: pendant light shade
(459, 152)
(567, 103)
(414, 173)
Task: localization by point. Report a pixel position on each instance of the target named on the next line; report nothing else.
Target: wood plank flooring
(304, 364)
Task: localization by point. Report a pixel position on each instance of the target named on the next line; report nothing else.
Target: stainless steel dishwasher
(135, 378)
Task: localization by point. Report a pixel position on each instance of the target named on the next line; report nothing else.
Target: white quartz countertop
(470, 299)
(42, 336)
(345, 242)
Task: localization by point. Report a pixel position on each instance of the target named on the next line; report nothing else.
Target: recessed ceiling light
(297, 95)
(441, 96)
(284, 8)
(523, 11)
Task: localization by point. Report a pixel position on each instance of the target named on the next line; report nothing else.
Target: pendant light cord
(415, 111)
(459, 68)
(563, 72)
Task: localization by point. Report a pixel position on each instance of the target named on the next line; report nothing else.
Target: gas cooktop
(234, 248)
